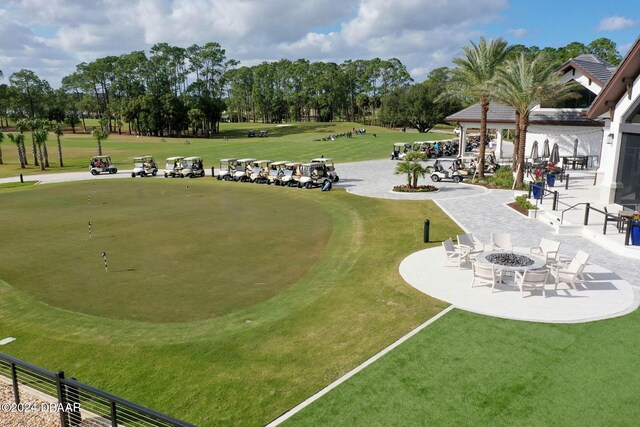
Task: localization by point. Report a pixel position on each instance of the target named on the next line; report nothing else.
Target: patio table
(509, 271)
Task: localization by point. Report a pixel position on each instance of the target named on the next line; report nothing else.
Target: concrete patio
(603, 295)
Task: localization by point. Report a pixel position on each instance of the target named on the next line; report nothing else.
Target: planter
(536, 189)
(551, 179)
(532, 213)
(635, 233)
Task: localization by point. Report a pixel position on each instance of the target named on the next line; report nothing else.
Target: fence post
(586, 213)
(566, 183)
(555, 201)
(627, 233)
(14, 379)
(61, 400)
(114, 414)
(529, 195)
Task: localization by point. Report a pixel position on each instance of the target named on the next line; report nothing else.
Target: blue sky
(51, 37)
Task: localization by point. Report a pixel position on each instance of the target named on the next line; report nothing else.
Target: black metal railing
(75, 400)
(608, 217)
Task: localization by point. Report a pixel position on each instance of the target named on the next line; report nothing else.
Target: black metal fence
(78, 403)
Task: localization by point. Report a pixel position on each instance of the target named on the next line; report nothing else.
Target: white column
(463, 137)
(499, 145)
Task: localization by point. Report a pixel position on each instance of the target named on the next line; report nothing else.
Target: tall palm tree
(1, 139)
(473, 79)
(99, 136)
(23, 125)
(18, 139)
(40, 137)
(57, 130)
(524, 83)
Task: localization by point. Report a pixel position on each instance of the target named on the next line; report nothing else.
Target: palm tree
(412, 167)
(57, 130)
(19, 141)
(473, 79)
(99, 136)
(1, 139)
(524, 83)
(40, 137)
(23, 125)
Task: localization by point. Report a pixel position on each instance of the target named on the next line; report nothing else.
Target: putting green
(177, 250)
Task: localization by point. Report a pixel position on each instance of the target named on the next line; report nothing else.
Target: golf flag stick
(104, 257)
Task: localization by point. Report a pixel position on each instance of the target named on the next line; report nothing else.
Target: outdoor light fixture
(610, 139)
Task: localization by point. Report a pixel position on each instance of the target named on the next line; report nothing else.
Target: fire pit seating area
(499, 264)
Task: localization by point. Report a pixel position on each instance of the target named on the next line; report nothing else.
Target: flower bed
(419, 189)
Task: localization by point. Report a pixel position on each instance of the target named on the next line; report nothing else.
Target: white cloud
(518, 32)
(614, 23)
(423, 34)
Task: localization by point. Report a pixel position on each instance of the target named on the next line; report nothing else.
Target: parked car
(99, 164)
(143, 166)
(192, 167)
(227, 169)
(331, 168)
(243, 170)
(251, 134)
(277, 170)
(173, 167)
(445, 169)
(313, 175)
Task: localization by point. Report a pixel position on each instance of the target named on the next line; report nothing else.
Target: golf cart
(143, 166)
(243, 170)
(490, 163)
(260, 171)
(450, 172)
(291, 174)
(192, 167)
(101, 164)
(466, 171)
(331, 169)
(276, 172)
(400, 150)
(227, 169)
(173, 167)
(313, 174)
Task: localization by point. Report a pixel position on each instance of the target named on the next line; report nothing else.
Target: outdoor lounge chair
(571, 273)
(486, 274)
(548, 249)
(473, 245)
(501, 242)
(454, 256)
(531, 279)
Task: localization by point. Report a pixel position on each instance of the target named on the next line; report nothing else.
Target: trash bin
(426, 230)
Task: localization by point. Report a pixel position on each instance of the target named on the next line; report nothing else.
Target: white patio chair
(572, 272)
(473, 245)
(486, 274)
(532, 279)
(548, 249)
(453, 255)
(501, 242)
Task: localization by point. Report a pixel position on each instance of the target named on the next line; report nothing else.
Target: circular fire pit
(511, 261)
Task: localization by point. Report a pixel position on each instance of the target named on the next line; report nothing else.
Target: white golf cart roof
(280, 163)
(172, 159)
(246, 160)
(401, 144)
(193, 158)
(313, 164)
(323, 160)
(231, 159)
(293, 164)
(100, 157)
(135, 159)
(263, 161)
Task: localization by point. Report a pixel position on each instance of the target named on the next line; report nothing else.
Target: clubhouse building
(601, 126)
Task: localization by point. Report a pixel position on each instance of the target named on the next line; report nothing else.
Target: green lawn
(468, 369)
(243, 364)
(296, 142)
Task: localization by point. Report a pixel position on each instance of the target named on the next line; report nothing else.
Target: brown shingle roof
(501, 113)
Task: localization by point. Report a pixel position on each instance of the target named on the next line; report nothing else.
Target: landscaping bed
(419, 189)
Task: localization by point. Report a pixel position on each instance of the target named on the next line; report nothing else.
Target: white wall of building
(608, 171)
(589, 140)
(583, 80)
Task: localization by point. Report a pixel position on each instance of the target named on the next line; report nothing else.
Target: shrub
(419, 189)
(524, 203)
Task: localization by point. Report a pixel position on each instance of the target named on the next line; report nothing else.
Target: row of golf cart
(175, 167)
(318, 172)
